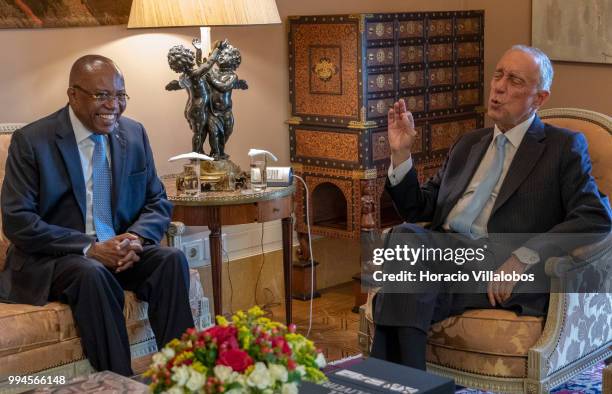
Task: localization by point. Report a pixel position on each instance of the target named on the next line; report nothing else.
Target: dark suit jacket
(548, 190)
(43, 200)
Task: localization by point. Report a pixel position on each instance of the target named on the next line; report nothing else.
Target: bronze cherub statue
(209, 104)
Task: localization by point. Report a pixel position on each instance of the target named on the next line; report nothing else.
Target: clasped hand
(118, 253)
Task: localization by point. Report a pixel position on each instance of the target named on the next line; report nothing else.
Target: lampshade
(175, 13)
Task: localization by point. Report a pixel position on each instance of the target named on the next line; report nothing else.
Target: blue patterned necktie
(102, 212)
(462, 223)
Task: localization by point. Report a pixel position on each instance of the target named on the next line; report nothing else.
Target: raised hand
(401, 132)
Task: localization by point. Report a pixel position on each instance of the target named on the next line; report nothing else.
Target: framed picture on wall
(576, 31)
(62, 13)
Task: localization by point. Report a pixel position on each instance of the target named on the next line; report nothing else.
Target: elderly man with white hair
(521, 176)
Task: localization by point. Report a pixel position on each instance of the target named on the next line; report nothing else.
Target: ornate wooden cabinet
(345, 72)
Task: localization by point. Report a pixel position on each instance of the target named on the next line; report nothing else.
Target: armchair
(541, 354)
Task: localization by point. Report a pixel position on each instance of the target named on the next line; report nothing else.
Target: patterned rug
(588, 382)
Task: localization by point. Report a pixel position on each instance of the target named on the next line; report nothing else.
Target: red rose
(281, 343)
(236, 359)
(224, 335)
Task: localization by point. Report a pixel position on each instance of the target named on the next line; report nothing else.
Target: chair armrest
(580, 258)
(174, 233)
(176, 228)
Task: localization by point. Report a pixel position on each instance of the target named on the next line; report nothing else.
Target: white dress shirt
(86, 149)
(515, 137)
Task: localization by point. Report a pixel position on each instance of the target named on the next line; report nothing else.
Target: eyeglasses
(103, 97)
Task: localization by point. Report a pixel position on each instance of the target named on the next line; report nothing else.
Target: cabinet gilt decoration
(344, 73)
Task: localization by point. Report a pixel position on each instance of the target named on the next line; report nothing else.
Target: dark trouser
(406, 344)
(96, 298)
(403, 318)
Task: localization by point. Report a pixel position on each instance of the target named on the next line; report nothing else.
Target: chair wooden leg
(535, 388)
(606, 387)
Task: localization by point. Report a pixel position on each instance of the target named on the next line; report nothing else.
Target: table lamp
(203, 13)
(214, 120)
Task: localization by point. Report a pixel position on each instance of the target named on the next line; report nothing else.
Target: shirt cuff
(143, 241)
(396, 175)
(527, 256)
(86, 249)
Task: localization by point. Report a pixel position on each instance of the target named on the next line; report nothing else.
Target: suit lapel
(67, 145)
(117, 141)
(471, 164)
(526, 157)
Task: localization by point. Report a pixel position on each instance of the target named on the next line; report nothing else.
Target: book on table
(377, 376)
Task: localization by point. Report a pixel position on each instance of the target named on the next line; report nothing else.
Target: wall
(35, 64)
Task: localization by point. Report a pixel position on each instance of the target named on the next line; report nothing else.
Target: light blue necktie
(462, 223)
(102, 212)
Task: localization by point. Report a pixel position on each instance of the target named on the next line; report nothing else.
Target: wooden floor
(334, 326)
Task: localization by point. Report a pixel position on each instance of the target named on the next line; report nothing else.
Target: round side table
(217, 209)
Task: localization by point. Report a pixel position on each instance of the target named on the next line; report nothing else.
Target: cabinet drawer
(409, 29)
(468, 97)
(415, 103)
(468, 26)
(411, 54)
(412, 79)
(440, 76)
(378, 108)
(468, 50)
(468, 74)
(379, 30)
(381, 82)
(440, 101)
(440, 27)
(440, 52)
(380, 56)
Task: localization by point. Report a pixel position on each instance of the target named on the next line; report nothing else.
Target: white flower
(180, 375)
(223, 373)
(196, 381)
(259, 377)
(174, 390)
(320, 360)
(241, 379)
(289, 388)
(301, 369)
(159, 360)
(278, 372)
(168, 352)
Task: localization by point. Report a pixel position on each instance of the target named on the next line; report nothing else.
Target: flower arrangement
(250, 354)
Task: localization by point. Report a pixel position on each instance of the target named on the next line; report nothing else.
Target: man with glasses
(85, 211)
